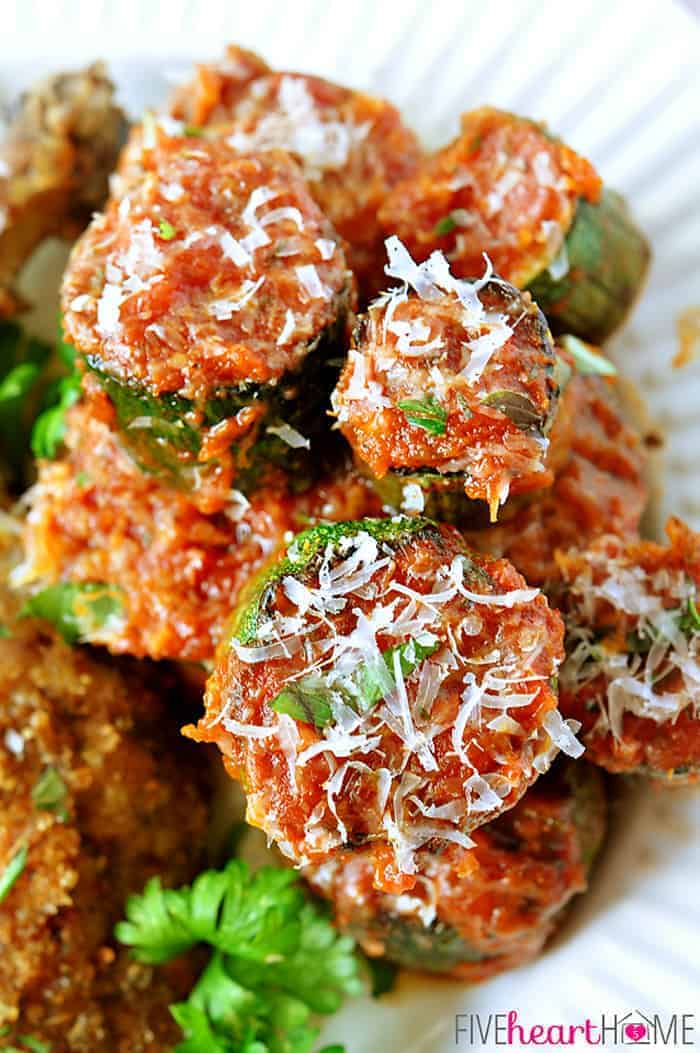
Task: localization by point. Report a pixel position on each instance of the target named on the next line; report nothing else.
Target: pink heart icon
(635, 1031)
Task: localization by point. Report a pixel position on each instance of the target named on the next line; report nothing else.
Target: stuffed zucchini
(632, 674)
(477, 912)
(382, 686)
(207, 302)
(173, 572)
(454, 379)
(600, 489)
(506, 187)
(353, 148)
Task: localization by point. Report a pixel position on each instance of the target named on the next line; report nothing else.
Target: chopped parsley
(50, 792)
(589, 362)
(50, 426)
(276, 960)
(425, 413)
(166, 230)
(310, 700)
(689, 621)
(77, 611)
(12, 871)
(23, 362)
(445, 225)
(26, 1042)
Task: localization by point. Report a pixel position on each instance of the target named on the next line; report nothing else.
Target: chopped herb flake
(690, 618)
(517, 407)
(425, 413)
(12, 871)
(589, 362)
(50, 426)
(34, 1044)
(49, 793)
(77, 611)
(445, 225)
(166, 230)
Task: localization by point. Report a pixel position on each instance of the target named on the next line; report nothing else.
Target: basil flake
(166, 231)
(445, 225)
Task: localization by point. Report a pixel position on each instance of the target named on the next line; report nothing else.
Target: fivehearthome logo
(633, 1028)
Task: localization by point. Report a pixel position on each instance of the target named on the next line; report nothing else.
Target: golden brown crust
(131, 809)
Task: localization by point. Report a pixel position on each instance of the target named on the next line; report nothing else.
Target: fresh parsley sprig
(276, 959)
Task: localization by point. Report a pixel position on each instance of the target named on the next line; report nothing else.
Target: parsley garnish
(166, 230)
(589, 362)
(276, 959)
(50, 426)
(309, 700)
(689, 621)
(28, 1042)
(23, 363)
(425, 413)
(193, 131)
(75, 610)
(49, 793)
(445, 225)
(12, 871)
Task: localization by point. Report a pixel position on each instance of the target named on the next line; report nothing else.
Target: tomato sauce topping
(632, 674)
(504, 187)
(387, 689)
(210, 270)
(457, 378)
(353, 148)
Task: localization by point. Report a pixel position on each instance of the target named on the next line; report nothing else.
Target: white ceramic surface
(619, 80)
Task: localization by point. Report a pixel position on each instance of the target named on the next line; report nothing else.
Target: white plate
(620, 81)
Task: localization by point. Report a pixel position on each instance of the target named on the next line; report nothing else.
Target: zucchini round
(608, 258)
(476, 913)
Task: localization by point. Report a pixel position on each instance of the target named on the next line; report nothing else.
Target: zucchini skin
(302, 554)
(170, 448)
(443, 496)
(608, 261)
